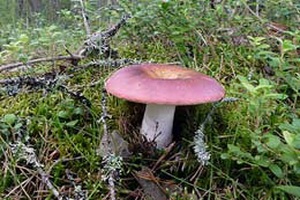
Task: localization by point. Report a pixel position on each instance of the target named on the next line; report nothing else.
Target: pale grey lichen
(26, 152)
(200, 147)
(23, 152)
(112, 163)
(111, 170)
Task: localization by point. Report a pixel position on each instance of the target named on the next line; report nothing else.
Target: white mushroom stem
(158, 124)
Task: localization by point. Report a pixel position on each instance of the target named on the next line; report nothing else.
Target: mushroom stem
(158, 124)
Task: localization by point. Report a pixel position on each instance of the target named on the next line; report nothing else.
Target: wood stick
(38, 60)
(85, 21)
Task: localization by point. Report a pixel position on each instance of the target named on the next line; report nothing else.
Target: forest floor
(57, 119)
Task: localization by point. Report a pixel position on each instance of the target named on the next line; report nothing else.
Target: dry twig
(39, 60)
(85, 21)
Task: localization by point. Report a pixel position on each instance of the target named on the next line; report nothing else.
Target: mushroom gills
(158, 124)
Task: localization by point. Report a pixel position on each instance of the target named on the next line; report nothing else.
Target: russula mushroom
(162, 87)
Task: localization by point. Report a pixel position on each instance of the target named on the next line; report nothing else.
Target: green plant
(16, 49)
(266, 144)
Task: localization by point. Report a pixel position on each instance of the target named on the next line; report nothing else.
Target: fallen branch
(99, 42)
(47, 82)
(111, 63)
(39, 60)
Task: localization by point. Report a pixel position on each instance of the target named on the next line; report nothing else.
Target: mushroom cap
(163, 84)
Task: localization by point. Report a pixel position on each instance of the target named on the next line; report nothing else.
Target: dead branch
(39, 60)
(98, 42)
(85, 21)
(110, 63)
(47, 82)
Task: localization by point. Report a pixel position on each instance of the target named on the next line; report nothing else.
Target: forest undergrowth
(56, 119)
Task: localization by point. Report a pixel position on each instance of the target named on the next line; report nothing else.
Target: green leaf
(276, 170)
(290, 189)
(235, 150)
(246, 83)
(296, 123)
(78, 111)
(289, 156)
(264, 46)
(9, 118)
(255, 41)
(261, 161)
(288, 45)
(63, 114)
(296, 168)
(18, 126)
(266, 53)
(288, 137)
(293, 128)
(276, 96)
(273, 141)
(225, 156)
(291, 139)
(24, 38)
(72, 123)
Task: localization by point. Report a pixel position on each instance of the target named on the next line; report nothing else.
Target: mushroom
(162, 87)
